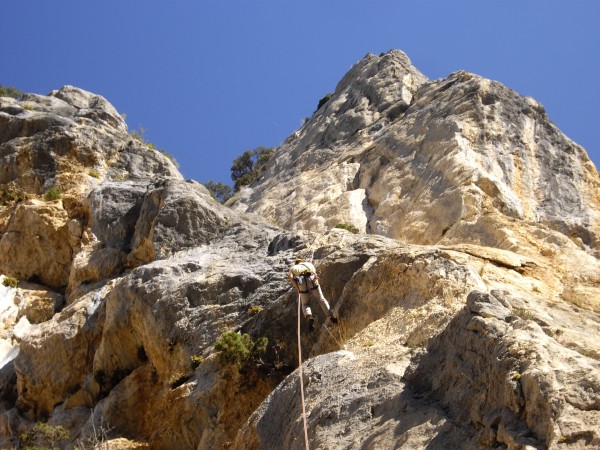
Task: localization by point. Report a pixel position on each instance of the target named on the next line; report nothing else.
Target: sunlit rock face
(468, 301)
(457, 160)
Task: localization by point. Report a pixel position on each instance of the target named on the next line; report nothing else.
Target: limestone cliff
(468, 304)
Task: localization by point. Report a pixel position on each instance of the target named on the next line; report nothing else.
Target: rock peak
(130, 297)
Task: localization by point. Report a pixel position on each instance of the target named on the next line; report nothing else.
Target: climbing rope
(301, 380)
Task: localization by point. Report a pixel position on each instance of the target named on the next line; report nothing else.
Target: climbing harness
(301, 380)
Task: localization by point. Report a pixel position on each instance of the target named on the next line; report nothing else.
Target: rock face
(448, 161)
(468, 304)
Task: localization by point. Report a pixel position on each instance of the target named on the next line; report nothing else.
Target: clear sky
(211, 79)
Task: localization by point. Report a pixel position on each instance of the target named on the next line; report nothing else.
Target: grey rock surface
(467, 304)
(464, 160)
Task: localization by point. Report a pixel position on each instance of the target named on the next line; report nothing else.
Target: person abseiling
(303, 276)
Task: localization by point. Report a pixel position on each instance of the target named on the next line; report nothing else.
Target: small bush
(178, 379)
(240, 349)
(43, 434)
(220, 191)
(347, 226)
(10, 91)
(11, 197)
(28, 106)
(340, 333)
(323, 101)
(254, 310)
(523, 313)
(94, 173)
(10, 282)
(249, 166)
(196, 361)
(52, 194)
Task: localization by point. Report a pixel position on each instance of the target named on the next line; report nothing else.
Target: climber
(303, 276)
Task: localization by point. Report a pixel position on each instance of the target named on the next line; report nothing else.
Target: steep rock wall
(461, 159)
(483, 336)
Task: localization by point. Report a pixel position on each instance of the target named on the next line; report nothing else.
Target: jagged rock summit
(468, 302)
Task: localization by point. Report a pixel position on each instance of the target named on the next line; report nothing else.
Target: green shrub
(196, 361)
(249, 166)
(323, 101)
(347, 226)
(52, 194)
(94, 173)
(11, 197)
(44, 436)
(11, 92)
(220, 191)
(254, 310)
(240, 349)
(10, 282)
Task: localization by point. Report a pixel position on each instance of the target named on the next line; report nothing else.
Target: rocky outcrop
(498, 367)
(501, 374)
(454, 160)
(468, 306)
(76, 143)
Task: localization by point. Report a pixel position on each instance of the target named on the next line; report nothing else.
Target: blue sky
(211, 79)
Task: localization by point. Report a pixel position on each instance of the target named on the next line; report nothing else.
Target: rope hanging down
(301, 380)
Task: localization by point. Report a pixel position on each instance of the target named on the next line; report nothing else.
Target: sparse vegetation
(249, 166)
(10, 282)
(240, 349)
(340, 333)
(323, 101)
(94, 173)
(220, 191)
(44, 437)
(96, 439)
(120, 178)
(196, 361)
(52, 194)
(139, 134)
(254, 310)
(523, 313)
(171, 157)
(178, 379)
(11, 197)
(245, 169)
(28, 106)
(11, 91)
(348, 227)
